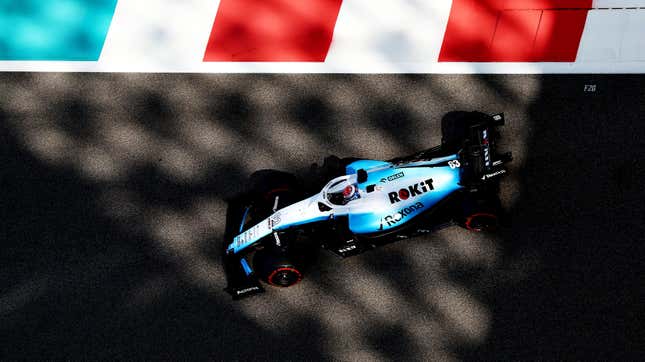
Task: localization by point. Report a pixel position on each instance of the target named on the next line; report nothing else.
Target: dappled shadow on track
(117, 186)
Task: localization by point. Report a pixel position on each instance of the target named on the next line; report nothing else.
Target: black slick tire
(276, 269)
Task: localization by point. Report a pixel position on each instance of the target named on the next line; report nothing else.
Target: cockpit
(341, 191)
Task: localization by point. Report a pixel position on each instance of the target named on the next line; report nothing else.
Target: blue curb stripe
(72, 30)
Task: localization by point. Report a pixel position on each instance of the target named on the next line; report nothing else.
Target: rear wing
(480, 158)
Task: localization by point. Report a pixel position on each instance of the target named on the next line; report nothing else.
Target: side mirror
(361, 175)
(498, 119)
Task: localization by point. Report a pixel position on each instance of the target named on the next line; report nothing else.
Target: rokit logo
(400, 215)
(411, 191)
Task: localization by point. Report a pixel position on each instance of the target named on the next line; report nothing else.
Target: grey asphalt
(113, 208)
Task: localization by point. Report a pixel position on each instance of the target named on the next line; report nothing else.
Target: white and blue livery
(370, 203)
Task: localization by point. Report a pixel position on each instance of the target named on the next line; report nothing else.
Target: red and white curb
(368, 36)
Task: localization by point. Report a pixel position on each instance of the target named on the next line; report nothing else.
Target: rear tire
(481, 214)
(276, 269)
(482, 222)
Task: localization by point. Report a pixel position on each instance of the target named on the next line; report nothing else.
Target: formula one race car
(279, 222)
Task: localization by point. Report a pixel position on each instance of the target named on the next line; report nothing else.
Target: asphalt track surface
(113, 189)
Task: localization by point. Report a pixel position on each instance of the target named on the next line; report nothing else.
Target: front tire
(268, 190)
(276, 269)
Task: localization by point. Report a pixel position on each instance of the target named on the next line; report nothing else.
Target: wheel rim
(284, 277)
(481, 222)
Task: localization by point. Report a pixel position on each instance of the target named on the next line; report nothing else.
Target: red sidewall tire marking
(470, 218)
(270, 278)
